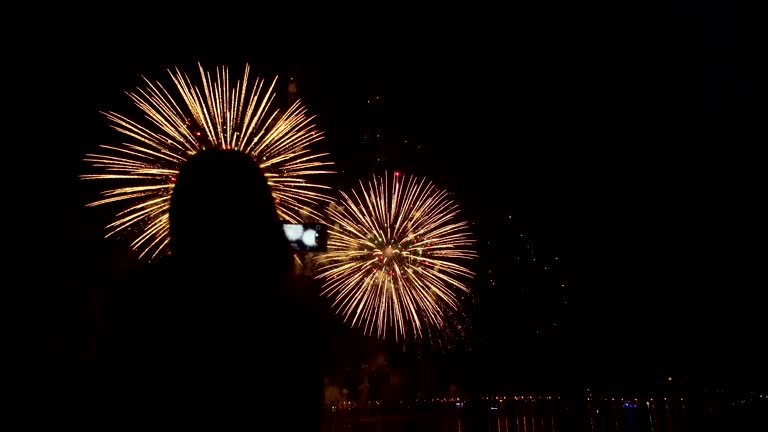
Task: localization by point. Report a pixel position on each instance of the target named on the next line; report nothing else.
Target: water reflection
(602, 414)
(653, 415)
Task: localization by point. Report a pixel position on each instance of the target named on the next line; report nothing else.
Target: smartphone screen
(307, 237)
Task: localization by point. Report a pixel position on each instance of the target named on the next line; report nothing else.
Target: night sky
(625, 144)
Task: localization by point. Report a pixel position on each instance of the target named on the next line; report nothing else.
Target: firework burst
(139, 174)
(395, 253)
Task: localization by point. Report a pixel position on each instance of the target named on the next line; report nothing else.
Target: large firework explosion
(395, 256)
(138, 175)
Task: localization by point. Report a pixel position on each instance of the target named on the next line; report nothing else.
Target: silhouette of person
(223, 332)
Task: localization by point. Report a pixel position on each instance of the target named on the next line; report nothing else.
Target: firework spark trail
(395, 253)
(138, 175)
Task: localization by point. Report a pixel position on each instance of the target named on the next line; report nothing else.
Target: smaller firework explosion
(397, 250)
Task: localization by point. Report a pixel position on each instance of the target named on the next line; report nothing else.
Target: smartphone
(307, 237)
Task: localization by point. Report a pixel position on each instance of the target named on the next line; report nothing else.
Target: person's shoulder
(301, 298)
(144, 271)
(302, 290)
(136, 291)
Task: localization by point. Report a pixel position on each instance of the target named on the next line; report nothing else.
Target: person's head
(223, 218)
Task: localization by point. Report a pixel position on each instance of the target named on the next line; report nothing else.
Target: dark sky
(624, 141)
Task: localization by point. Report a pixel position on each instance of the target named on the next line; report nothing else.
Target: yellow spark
(138, 175)
(396, 254)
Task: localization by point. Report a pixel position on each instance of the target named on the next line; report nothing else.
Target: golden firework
(138, 174)
(396, 254)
